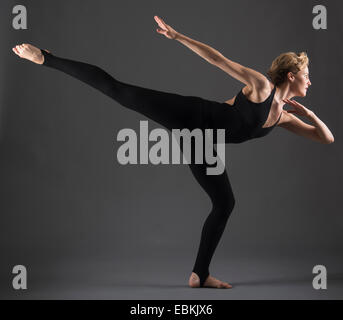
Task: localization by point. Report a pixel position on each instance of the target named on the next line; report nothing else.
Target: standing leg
(218, 188)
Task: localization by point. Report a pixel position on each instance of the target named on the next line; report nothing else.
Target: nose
(309, 83)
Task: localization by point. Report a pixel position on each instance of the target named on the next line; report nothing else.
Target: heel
(202, 276)
(46, 54)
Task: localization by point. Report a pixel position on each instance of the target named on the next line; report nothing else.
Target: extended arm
(243, 74)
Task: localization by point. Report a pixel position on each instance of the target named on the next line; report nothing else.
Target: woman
(253, 113)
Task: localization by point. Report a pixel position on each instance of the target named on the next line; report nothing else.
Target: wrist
(178, 36)
(310, 114)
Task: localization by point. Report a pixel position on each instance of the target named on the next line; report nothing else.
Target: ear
(290, 76)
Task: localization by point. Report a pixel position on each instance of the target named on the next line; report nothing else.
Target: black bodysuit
(242, 121)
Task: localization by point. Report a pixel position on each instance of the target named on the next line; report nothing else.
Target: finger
(160, 19)
(164, 23)
(291, 102)
(298, 104)
(295, 106)
(160, 31)
(287, 102)
(295, 102)
(291, 111)
(159, 22)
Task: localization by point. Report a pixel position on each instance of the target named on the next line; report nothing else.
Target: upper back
(258, 95)
(255, 95)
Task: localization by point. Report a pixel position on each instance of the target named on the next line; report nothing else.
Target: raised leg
(168, 109)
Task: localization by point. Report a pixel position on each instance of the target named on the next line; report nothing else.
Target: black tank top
(243, 120)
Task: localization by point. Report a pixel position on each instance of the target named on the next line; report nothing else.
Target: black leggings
(172, 111)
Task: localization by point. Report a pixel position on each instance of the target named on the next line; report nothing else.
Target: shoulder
(265, 87)
(259, 92)
(262, 85)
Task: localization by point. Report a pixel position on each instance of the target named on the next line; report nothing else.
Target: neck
(283, 92)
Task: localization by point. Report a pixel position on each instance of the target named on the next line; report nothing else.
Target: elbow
(329, 140)
(216, 59)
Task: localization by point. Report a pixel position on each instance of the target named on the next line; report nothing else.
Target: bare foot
(211, 282)
(29, 52)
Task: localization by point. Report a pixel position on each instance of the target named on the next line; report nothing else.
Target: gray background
(87, 227)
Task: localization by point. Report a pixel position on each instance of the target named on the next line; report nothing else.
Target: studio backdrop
(85, 225)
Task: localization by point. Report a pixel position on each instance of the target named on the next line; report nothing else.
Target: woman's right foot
(29, 52)
(210, 282)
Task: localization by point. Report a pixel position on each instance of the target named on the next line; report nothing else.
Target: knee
(225, 206)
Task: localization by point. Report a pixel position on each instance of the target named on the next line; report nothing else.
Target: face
(301, 82)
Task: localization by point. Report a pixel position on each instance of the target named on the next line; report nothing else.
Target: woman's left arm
(318, 131)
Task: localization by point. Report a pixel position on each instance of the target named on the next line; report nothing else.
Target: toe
(223, 285)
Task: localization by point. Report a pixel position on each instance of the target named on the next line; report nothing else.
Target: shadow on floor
(334, 278)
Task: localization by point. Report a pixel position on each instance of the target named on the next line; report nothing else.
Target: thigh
(172, 110)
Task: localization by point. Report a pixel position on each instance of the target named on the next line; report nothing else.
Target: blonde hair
(284, 63)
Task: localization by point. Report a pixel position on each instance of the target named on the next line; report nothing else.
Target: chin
(303, 93)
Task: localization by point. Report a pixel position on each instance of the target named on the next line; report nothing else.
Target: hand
(299, 109)
(164, 29)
